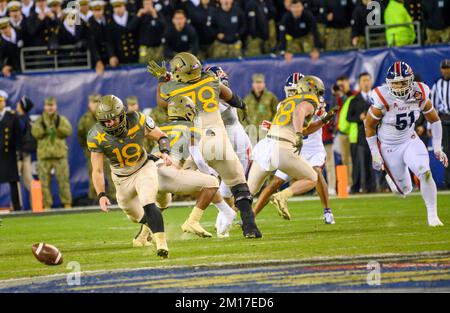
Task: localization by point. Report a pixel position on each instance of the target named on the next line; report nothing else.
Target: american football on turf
(47, 254)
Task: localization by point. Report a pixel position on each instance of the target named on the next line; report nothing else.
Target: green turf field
(99, 241)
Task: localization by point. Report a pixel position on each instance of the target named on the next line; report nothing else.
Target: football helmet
(220, 73)
(290, 86)
(185, 68)
(181, 108)
(400, 79)
(111, 107)
(311, 84)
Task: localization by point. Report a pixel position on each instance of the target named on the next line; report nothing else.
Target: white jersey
(399, 115)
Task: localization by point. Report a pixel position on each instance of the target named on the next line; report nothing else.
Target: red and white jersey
(399, 115)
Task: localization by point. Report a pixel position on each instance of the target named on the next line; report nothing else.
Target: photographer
(51, 131)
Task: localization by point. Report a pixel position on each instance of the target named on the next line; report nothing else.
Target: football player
(119, 137)
(205, 89)
(313, 151)
(394, 145)
(280, 149)
(240, 141)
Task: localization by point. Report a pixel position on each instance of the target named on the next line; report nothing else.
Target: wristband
(100, 195)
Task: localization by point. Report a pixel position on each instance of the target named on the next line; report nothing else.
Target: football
(47, 254)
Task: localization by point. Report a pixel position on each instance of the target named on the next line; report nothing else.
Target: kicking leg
(266, 193)
(322, 190)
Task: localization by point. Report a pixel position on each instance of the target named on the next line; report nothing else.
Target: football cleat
(195, 228)
(281, 204)
(143, 237)
(434, 222)
(224, 224)
(162, 253)
(250, 230)
(328, 216)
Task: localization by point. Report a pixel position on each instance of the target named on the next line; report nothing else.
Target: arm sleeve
(37, 130)
(425, 91)
(199, 160)
(65, 128)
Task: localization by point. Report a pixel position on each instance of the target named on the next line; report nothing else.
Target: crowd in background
(119, 32)
(344, 138)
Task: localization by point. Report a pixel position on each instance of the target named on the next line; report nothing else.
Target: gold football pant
(218, 152)
(285, 159)
(181, 182)
(137, 190)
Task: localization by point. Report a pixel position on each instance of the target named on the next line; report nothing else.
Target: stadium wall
(72, 88)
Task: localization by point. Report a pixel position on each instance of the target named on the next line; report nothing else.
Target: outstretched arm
(98, 180)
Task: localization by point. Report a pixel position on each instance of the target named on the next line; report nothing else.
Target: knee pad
(241, 192)
(154, 218)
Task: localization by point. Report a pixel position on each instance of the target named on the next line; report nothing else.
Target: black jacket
(122, 41)
(203, 21)
(317, 8)
(258, 14)
(357, 106)
(232, 24)
(97, 41)
(9, 145)
(436, 14)
(298, 27)
(342, 13)
(10, 52)
(183, 41)
(41, 31)
(151, 30)
(67, 38)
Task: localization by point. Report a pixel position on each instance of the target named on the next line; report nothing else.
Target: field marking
(16, 282)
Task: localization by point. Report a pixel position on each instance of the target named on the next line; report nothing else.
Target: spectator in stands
(260, 16)
(9, 146)
(150, 33)
(363, 176)
(85, 12)
(317, 8)
(87, 121)
(341, 94)
(437, 20)
(180, 36)
(231, 27)
(10, 44)
(27, 7)
(202, 19)
(440, 96)
(396, 13)
(261, 103)
(68, 33)
(3, 8)
(17, 20)
(166, 8)
(96, 38)
(56, 8)
(339, 18)
(121, 33)
(41, 24)
(51, 130)
(28, 142)
(298, 32)
(360, 14)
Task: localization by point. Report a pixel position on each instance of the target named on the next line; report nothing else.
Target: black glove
(298, 146)
(330, 115)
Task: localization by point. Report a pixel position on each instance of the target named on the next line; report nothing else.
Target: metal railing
(376, 35)
(68, 57)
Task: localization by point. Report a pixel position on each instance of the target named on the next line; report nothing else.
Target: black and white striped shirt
(440, 95)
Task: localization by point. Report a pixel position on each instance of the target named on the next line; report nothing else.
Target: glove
(298, 146)
(266, 125)
(442, 157)
(157, 71)
(330, 115)
(377, 161)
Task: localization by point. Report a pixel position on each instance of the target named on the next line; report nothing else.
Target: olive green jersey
(283, 121)
(204, 93)
(126, 153)
(182, 134)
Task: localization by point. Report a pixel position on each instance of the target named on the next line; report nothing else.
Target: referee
(440, 95)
